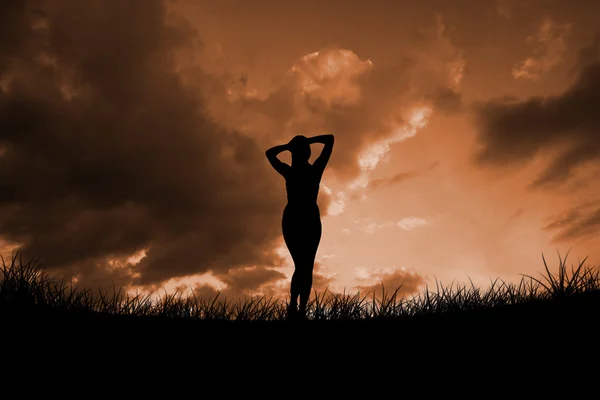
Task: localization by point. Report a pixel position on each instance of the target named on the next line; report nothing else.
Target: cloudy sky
(132, 138)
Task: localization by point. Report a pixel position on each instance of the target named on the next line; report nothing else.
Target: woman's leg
(302, 235)
(294, 293)
(292, 238)
(305, 284)
(311, 242)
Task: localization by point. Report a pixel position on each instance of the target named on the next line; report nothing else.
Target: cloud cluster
(579, 222)
(370, 226)
(393, 180)
(242, 282)
(113, 145)
(410, 223)
(513, 131)
(107, 152)
(549, 46)
(389, 280)
(366, 105)
(257, 281)
(322, 279)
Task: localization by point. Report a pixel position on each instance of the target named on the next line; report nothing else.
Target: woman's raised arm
(326, 139)
(272, 153)
(323, 159)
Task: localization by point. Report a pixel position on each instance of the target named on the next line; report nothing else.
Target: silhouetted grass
(27, 286)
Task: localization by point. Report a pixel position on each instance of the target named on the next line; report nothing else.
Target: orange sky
(438, 142)
(478, 223)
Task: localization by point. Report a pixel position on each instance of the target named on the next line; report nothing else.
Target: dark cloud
(447, 100)
(433, 165)
(401, 177)
(205, 291)
(517, 214)
(260, 281)
(393, 180)
(406, 282)
(106, 151)
(579, 222)
(588, 55)
(242, 282)
(513, 131)
(322, 280)
(251, 279)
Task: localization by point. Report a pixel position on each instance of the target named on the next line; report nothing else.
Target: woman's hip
(302, 217)
(310, 213)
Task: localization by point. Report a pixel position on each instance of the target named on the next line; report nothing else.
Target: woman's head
(300, 148)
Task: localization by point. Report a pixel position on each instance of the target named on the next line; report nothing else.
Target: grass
(27, 287)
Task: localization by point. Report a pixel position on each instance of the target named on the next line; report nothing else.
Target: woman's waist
(302, 205)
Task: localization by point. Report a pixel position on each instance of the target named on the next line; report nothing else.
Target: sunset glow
(133, 154)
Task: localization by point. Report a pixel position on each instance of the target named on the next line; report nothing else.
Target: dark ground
(572, 316)
(535, 350)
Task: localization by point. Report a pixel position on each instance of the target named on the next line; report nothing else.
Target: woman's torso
(302, 185)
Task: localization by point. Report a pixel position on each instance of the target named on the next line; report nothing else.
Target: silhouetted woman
(301, 218)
